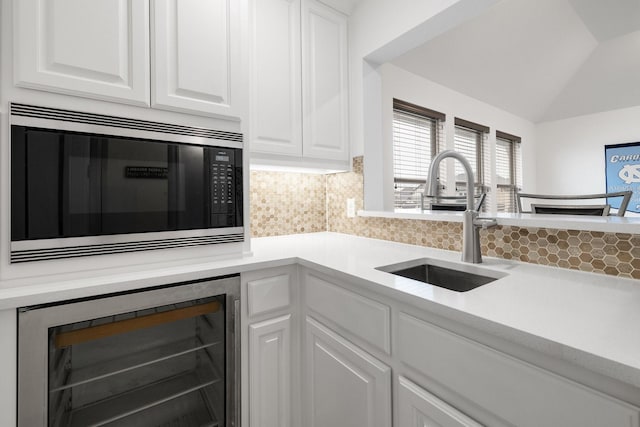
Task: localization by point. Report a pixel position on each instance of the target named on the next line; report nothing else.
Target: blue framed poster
(622, 168)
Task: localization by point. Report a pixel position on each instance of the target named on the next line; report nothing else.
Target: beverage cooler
(168, 356)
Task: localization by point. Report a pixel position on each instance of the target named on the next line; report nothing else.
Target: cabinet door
(93, 49)
(196, 56)
(269, 373)
(276, 104)
(419, 408)
(345, 386)
(325, 82)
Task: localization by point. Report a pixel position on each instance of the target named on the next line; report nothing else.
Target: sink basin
(455, 277)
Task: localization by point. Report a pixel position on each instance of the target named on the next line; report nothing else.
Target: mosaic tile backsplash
(616, 254)
(287, 203)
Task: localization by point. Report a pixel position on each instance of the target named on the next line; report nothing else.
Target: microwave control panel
(223, 182)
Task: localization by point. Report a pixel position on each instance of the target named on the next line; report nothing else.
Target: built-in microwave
(87, 184)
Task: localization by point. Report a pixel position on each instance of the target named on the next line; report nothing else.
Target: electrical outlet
(351, 208)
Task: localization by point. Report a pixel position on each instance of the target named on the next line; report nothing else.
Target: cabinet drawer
(268, 290)
(363, 317)
(515, 391)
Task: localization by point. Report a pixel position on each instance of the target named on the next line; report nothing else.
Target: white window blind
(466, 142)
(415, 140)
(470, 140)
(508, 171)
(412, 140)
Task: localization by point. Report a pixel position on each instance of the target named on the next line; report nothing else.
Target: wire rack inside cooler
(157, 367)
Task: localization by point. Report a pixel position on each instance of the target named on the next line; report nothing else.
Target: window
(470, 139)
(508, 170)
(416, 132)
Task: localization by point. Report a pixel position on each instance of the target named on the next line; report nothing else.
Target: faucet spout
(470, 233)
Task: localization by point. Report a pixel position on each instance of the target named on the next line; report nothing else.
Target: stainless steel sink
(455, 277)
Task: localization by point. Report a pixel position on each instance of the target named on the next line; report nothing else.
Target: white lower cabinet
(269, 370)
(419, 408)
(273, 342)
(322, 351)
(344, 385)
(511, 389)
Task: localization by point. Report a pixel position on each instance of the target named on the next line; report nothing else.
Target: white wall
(380, 30)
(398, 83)
(570, 152)
(369, 29)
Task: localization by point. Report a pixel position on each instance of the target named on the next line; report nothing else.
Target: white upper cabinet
(176, 55)
(276, 105)
(299, 82)
(325, 77)
(96, 49)
(195, 50)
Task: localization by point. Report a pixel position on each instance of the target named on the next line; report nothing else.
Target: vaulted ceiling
(542, 60)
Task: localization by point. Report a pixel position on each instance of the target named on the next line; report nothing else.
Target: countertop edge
(611, 224)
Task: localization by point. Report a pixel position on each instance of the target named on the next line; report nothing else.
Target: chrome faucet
(470, 222)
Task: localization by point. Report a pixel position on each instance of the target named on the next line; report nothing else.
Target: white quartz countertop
(588, 319)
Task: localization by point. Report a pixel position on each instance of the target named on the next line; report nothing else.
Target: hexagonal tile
(585, 236)
(574, 261)
(624, 268)
(623, 245)
(573, 241)
(585, 266)
(574, 252)
(612, 271)
(610, 238)
(598, 264)
(586, 257)
(624, 257)
(598, 242)
(585, 247)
